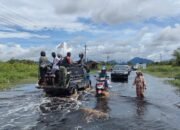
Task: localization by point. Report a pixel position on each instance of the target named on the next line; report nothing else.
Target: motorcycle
(102, 86)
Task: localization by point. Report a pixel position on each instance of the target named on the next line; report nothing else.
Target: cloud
(13, 50)
(65, 14)
(101, 31)
(146, 43)
(23, 35)
(115, 12)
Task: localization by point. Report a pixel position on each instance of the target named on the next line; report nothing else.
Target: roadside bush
(14, 71)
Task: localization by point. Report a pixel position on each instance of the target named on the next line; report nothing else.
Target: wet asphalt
(28, 108)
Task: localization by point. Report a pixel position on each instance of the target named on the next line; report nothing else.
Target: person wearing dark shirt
(43, 62)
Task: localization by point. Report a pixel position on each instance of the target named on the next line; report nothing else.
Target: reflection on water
(120, 80)
(140, 107)
(102, 105)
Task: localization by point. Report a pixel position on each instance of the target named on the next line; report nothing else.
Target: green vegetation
(16, 71)
(108, 66)
(165, 71)
(176, 54)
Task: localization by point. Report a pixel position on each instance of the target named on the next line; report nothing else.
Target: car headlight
(125, 72)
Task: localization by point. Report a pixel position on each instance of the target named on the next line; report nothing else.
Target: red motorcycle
(102, 86)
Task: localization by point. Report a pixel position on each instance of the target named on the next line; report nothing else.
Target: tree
(176, 54)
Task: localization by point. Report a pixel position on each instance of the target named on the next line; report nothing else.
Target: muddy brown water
(27, 108)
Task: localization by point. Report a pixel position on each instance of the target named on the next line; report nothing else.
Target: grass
(12, 73)
(94, 71)
(165, 71)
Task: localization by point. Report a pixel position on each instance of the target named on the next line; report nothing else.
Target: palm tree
(176, 54)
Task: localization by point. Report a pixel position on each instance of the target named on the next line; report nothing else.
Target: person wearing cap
(140, 84)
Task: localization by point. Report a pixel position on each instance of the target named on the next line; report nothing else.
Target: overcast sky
(122, 29)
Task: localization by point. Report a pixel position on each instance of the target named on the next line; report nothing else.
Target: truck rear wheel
(73, 90)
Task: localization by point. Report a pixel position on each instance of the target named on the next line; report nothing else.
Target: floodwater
(27, 108)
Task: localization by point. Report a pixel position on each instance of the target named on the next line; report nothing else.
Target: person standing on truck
(60, 59)
(55, 66)
(43, 62)
(55, 62)
(66, 62)
(81, 60)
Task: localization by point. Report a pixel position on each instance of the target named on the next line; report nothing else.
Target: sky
(119, 29)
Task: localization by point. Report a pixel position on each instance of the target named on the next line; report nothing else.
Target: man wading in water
(140, 84)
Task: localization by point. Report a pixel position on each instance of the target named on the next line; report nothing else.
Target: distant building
(140, 66)
(92, 64)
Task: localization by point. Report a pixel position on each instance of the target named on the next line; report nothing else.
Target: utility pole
(160, 57)
(107, 59)
(85, 52)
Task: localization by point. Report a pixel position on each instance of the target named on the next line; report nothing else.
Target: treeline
(176, 54)
(175, 61)
(169, 69)
(12, 61)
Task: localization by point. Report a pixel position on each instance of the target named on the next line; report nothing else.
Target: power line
(13, 17)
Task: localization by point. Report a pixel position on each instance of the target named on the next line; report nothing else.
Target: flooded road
(27, 108)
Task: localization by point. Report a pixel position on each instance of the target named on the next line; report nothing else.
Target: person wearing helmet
(43, 62)
(103, 72)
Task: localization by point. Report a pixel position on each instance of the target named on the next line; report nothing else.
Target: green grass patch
(165, 71)
(11, 73)
(175, 82)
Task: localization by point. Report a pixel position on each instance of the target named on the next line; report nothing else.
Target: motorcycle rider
(103, 74)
